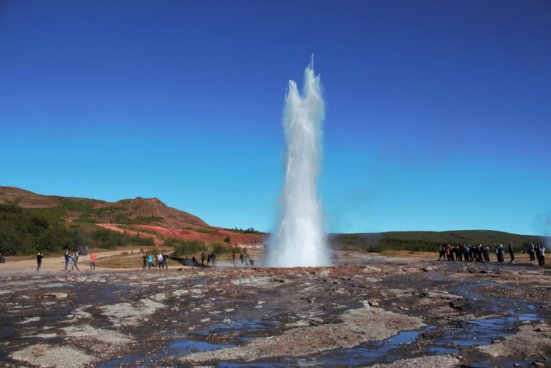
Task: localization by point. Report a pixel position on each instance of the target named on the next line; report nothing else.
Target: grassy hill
(427, 240)
(29, 221)
(91, 211)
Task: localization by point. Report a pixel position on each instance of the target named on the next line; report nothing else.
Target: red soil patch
(207, 235)
(115, 227)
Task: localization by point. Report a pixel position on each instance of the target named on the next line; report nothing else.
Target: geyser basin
(300, 239)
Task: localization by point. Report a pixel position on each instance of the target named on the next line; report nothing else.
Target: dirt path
(57, 263)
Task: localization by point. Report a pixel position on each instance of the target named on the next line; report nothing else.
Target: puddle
(359, 356)
(185, 346)
(478, 332)
(163, 357)
(238, 330)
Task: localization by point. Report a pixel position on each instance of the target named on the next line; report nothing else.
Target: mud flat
(379, 312)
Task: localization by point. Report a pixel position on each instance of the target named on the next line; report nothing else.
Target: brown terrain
(367, 311)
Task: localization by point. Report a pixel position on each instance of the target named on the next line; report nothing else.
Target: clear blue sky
(438, 112)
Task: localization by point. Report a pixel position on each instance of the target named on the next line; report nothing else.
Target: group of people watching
(151, 260)
(71, 258)
(244, 259)
(481, 253)
(211, 258)
(537, 251)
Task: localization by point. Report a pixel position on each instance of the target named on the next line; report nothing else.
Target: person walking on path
(39, 256)
(92, 261)
(67, 258)
(75, 261)
(511, 253)
(144, 261)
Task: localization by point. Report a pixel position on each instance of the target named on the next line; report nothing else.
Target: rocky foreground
(381, 313)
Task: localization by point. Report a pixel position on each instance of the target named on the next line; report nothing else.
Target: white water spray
(300, 239)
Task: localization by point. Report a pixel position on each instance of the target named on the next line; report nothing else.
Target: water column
(300, 239)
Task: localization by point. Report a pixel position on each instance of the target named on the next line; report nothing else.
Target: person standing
(39, 256)
(537, 251)
(144, 256)
(67, 258)
(531, 251)
(165, 259)
(542, 255)
(511, 253)
(75, 261)
(159, 260)
(92, 261)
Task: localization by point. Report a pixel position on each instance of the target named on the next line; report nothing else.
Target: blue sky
(438, 112)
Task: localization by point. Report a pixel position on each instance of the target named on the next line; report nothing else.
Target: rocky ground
(378, 312)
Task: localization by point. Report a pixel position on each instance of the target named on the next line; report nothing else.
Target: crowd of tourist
(152, 260)
(209, 259)
(481, 253)
(460, 253)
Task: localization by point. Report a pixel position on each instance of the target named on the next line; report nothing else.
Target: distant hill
(29, 221)
(427, 240)
(83, 210)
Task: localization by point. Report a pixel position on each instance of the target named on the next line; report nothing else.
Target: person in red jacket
(92, 261)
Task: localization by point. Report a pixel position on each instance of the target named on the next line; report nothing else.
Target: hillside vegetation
(427, 240)
(23, 231)
(29, 221)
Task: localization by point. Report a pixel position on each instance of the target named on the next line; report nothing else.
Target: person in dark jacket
(39, 256)
(511, 253)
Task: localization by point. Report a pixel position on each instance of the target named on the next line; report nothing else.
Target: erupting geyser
(300, 239)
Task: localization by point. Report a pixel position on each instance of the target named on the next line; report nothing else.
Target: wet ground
(382, 312)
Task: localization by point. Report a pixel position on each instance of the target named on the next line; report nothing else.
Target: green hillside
(23, 231)
(426, 240)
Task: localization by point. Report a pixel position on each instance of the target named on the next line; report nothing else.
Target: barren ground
(371, 311)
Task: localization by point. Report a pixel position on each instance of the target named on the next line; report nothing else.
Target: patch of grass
(127, 262)
(70, 204)
(188, 248)
(120, 262)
